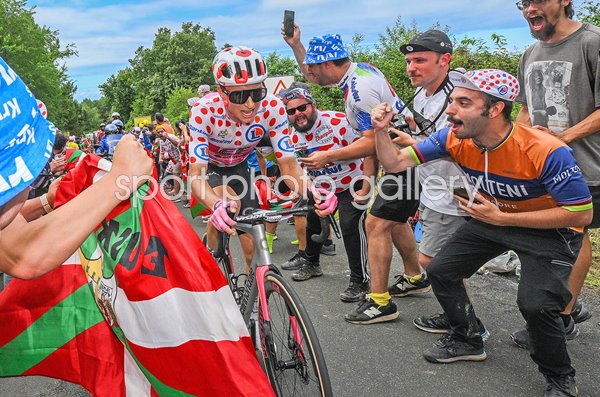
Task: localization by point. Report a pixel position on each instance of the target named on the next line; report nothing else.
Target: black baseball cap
(430, 40)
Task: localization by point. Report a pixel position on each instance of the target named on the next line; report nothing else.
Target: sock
(381, 299)
(413, 279)
(270, 237)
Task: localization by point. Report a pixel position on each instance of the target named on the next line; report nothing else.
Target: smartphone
(461, 192)
(288, 23)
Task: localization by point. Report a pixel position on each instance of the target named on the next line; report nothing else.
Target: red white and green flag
(141, 309)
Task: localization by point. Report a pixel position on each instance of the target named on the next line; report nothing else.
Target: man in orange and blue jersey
(529, 194)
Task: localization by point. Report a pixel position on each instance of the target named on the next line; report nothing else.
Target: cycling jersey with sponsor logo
(526, 171)
(216, 139)
(331, 131)
(364, 87)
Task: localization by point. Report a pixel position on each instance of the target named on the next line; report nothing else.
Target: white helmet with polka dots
(239, 65)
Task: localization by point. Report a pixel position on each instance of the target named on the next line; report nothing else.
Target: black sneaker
(328, 250)
(439, 324)
(521, 336)
(448, 350)
(369, 312)
(436, 324)
(561, 386)
(307, 271)
(295, 263)
(354, 292)
(404, 287)
(580, 313)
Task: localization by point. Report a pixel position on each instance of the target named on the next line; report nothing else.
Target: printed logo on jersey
(255, 132)
(286, 145)
(324, 135)
(201, 151)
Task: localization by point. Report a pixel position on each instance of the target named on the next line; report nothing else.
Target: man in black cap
(428, 57)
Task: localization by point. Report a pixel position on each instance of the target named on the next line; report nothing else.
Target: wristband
(44, 200)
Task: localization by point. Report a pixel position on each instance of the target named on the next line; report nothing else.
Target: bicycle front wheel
(293, 357)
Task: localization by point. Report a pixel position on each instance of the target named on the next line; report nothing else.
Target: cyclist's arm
(200, 187)
(262, 163)
(25, 246)
(289, 166)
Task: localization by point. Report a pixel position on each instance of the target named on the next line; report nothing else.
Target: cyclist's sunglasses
(240, 97)
(300, 108)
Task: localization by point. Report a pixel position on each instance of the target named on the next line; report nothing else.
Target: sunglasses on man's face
(301, 108)
(524, 4)
(240, 97)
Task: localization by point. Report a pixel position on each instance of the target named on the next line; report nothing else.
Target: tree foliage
(176, 60)
(177, 108)
(34, 52)
(590, 12)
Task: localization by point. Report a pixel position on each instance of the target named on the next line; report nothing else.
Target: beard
(310, 122)
(545, 34)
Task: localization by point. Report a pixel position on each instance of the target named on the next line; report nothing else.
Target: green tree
(177, 108)
(590, 13)
(35, 53)
(176, 60)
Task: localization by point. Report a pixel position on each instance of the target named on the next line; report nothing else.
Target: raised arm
(299, 51)
(30, 249)
(389, 155)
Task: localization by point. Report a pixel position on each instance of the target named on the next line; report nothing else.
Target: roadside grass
(593, 277)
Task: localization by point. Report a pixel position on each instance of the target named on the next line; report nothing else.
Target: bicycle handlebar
(261, 216)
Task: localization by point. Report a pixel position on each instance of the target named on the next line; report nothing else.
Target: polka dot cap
(495, 82)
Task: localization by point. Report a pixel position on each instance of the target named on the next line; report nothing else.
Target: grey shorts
(437, 229)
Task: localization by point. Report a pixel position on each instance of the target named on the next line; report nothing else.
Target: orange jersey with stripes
(527, 171)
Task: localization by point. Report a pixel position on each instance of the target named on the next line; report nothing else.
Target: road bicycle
(279, 324)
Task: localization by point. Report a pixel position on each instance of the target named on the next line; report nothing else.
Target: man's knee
(378, 225)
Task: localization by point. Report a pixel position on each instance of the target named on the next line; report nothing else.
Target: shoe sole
(420, 291)
(328, 253)
(431, 330)
(470, 357)
(381, 319)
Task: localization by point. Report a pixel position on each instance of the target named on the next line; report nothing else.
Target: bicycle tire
(294, 369)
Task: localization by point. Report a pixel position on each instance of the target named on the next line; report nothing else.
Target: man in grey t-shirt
(560, 80)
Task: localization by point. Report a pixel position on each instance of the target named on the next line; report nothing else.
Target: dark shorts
(398, 197)
(238, 179)
(595, 190)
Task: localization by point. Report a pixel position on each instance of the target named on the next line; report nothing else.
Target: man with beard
(532, 195)
(566, 58)
(322, 130)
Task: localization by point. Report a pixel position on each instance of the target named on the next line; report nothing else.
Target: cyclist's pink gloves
(219, 218)
(327, 200)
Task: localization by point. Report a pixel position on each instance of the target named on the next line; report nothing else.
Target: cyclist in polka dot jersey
(218, 139)
(225, 129)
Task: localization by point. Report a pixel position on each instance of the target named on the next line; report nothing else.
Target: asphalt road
(385, 359)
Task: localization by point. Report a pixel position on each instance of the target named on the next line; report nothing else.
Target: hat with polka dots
(494, 82)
